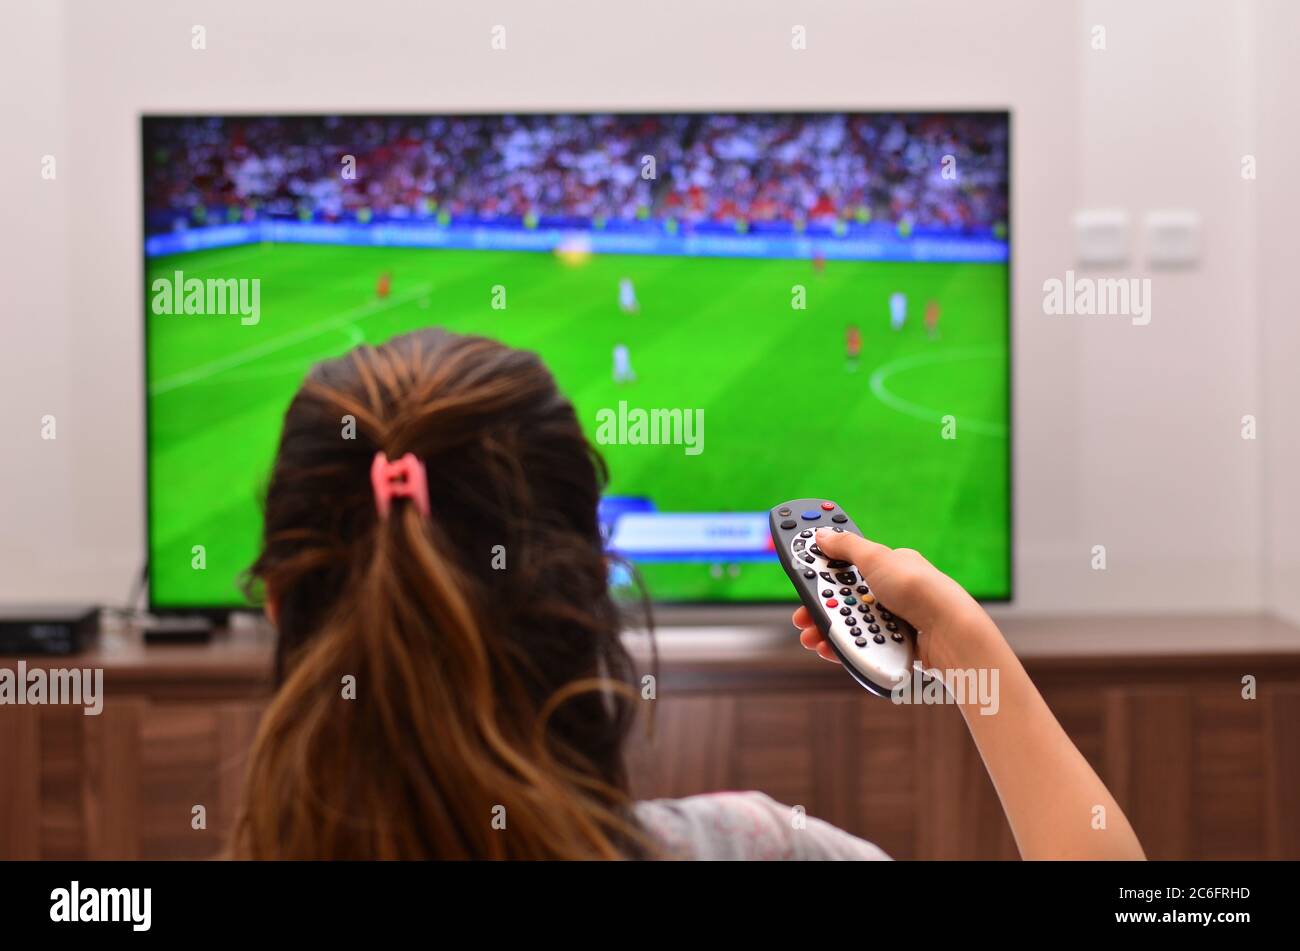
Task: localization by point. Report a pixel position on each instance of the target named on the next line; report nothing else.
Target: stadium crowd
(706, 167)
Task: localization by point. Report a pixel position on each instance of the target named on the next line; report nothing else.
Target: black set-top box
(46, 629)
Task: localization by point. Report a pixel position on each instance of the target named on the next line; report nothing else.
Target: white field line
(209, 265)
(263, 371)
(970, 424)
(186, 377)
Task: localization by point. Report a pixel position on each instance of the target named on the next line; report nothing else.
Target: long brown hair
(444, 681)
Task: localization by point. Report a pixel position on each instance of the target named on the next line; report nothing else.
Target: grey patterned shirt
(728, 826)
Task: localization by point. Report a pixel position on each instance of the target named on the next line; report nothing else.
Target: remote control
(877, 647)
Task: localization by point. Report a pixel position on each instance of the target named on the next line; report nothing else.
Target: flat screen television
(744, 308)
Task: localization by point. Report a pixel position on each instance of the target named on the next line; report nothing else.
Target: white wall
(1170, 487)
(42, 549)
(1125, 436)
(1278, 200)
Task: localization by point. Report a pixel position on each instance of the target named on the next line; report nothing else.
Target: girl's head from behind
(441, 675)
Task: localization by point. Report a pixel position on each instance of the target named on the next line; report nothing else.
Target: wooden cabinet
(174, 731)
(124, 784)
(1201, 771)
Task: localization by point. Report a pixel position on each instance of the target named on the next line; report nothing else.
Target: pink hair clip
(403, 479)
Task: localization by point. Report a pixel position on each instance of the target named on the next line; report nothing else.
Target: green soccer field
(786, 415)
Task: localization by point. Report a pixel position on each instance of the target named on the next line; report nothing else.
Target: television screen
(743, 307)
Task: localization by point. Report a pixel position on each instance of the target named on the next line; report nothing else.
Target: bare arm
(1057, 806)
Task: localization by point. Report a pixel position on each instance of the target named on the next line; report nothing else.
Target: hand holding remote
(944, 615)
(1046, 786)
(876, 646)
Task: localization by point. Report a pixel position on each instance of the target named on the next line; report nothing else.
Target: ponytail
(421, 711)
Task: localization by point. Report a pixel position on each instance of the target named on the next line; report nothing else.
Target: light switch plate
(1173, 238)
(1101, 237)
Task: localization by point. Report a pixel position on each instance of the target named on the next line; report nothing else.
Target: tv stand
(1155, 703)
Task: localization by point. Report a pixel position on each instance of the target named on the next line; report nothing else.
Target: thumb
(869, 556)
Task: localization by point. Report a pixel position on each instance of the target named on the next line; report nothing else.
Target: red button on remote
(832, 603)
(828, 506)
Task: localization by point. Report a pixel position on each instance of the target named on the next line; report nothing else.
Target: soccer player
(852, 346)
(897, 310)
(384, 286)
(627, 301)
(819, 262)
(932, 318)
(623, 372)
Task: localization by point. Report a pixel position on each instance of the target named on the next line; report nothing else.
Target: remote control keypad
(841, 609)
(869, 639)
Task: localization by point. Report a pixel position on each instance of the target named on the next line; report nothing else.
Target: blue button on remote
(811, 516)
